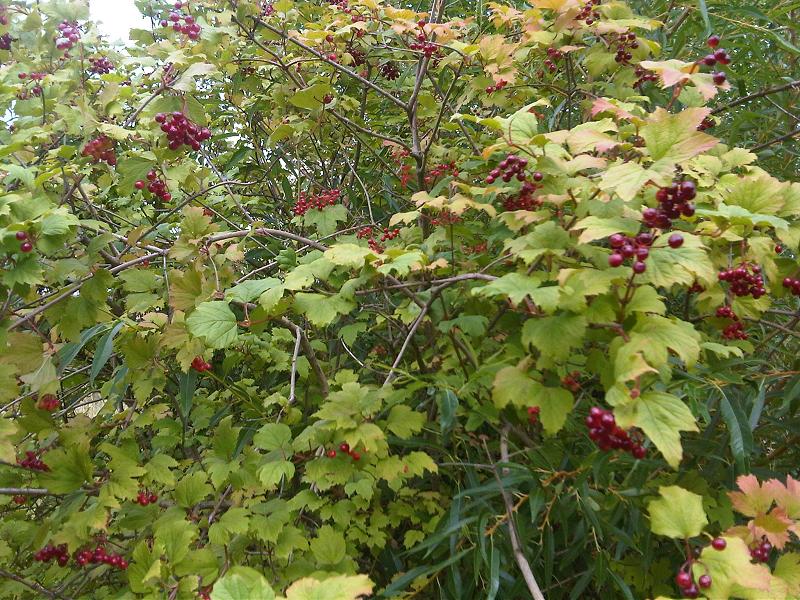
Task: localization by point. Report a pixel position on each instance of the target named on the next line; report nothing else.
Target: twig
(513, 534)
(33, 585)
(11, 491)
(293, 378)
(309, 352)
(755, 95)
(777, 140)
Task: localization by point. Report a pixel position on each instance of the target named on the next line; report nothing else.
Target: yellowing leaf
(753, 499)
(732, 573)
(662, 417)
(340, 587)
(678, 513)
(626, 179)
(672, 138)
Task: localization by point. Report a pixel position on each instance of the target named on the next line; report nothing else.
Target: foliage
(308, 300)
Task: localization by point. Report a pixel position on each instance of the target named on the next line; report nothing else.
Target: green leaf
(251, 289)
(271, 473)
(329, 546)
(554, 337)
(626, 179)
(214, 322)
(403, 421)
(311, 97)
(662, 417)
(348, 255)
(678, 513)
(325, 220)
(192, 489)
(273, 436)
(596, 228)
(653, 335)
(242, 583)
(514, 286)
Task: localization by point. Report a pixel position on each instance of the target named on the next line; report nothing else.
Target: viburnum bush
(330, 299)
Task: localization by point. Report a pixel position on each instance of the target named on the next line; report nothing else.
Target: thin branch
(32, 585)
(11, 491)
(777, 140)
(309, 352)
(755, 95)
(513, 534)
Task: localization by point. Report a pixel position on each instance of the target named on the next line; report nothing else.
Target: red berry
(537, 176)
(704, 581)
(719, 78)
(719, 543)
(139, 185)
(344, 447)
(331, 454)
(683, 579)
(713, 41)
(26, 247)
(639, 267)
(778, 249)
(615, 260)
(355, 455)
(21, 236)
(675, 240)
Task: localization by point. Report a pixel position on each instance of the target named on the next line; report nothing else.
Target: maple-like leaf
(786, 496)
(775, 525)
(753, 499)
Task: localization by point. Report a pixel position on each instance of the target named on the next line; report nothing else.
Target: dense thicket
(321, 300)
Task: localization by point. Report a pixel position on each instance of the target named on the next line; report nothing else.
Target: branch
(777, 140)
(755, 95)
(332, 63)
(10, 491)
(513, 534)
(32, 584)
(309, 352)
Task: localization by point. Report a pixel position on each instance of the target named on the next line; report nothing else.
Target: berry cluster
(553, 56)
(344, 448)
(389, 70)
(58, 553)
(643, 76)
(422, 44)
(673, 201)
(318, 201)
(143, 498)
(5, 41)
(744, 280)
(359, 56)
(625, 246)
(156, 186)
(181, 130)
(604, 432)
(588, 14)
(189, 27)
(442, 169)
(792, 284)
(572, 381)
(446, 218)
(734, 331)
(48, 402)
(761, 551)
(533, 414)
(508, 168)
(625, 43)
(99, 555)
(200, 365)
(364, 232)
(491, 89)
(24, 243)
(685, 578)
(100, 66)
(36, 90)
(32, 462)
(101, 148)
(525, 200)
(68, 35)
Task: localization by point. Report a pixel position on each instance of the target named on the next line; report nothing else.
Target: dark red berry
(675, 240)
(683, 579)
(26, 247)
(719, 543)
(704, 581)
(615, 260)
(713, 41)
